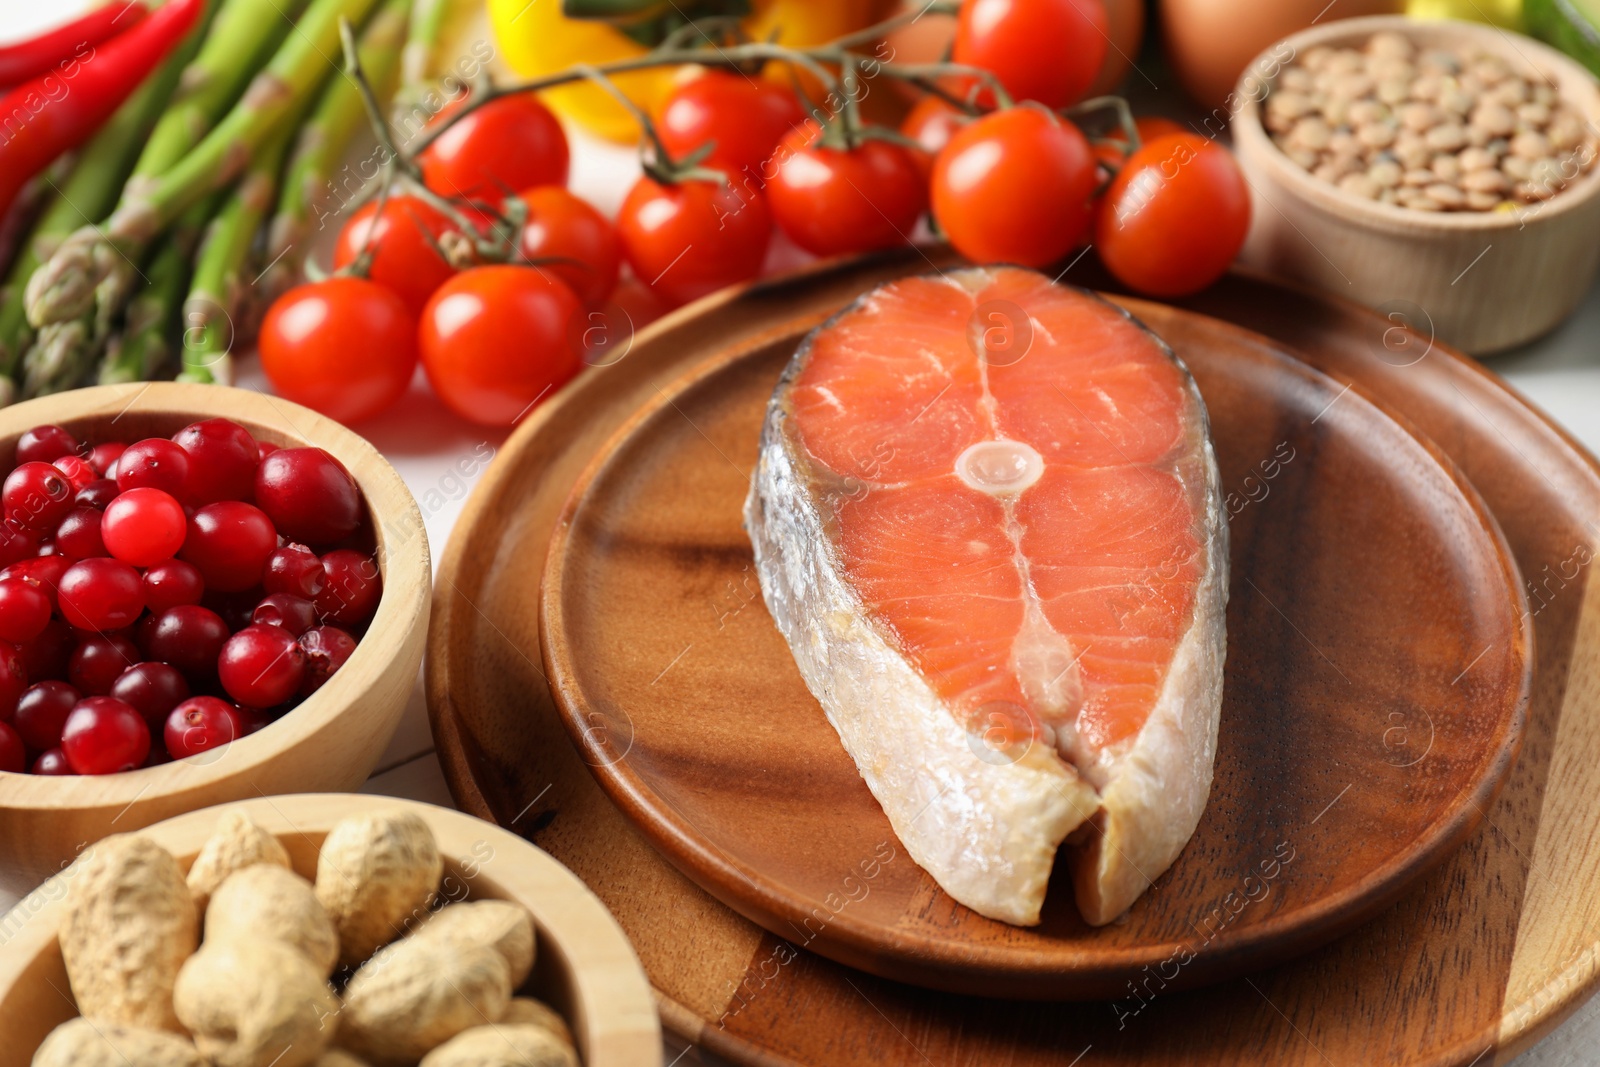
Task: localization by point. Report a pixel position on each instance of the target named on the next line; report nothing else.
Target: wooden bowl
(331, 741)
(585, 968)
(1483, 281)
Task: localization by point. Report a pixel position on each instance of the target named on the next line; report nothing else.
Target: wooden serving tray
(1377, 674)
(1483, 957)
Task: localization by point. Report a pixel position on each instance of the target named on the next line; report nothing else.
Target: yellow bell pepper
(537, 39)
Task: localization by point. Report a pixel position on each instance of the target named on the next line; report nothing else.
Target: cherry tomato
(694, 237)
(1111, 150)
(931, 123)
(404, 258)
(1175, 217)
(744, 117)
(508, 144)
(564, 225)
(497, 340)
(344, 346)
(1015, 187)
(831, 201)
(1044, 50)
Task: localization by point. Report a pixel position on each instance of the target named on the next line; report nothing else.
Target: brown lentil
(1428, 130)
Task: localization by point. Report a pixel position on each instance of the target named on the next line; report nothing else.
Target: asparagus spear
(322, 145)
(56, 292)
(89, 192)
(427, 24)
(243, 34)
(145, 345)
(213, 309)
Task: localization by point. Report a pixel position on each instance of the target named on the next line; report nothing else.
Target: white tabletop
(441, 457)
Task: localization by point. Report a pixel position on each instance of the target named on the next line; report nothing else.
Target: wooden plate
(1484, 956)
(1377, 673)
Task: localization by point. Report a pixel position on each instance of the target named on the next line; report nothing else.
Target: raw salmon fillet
(1000, 561)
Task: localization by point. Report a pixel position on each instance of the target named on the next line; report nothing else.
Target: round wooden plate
(1484, 955)
(1377, 673)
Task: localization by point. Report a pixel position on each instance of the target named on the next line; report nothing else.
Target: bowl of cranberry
(206, 594)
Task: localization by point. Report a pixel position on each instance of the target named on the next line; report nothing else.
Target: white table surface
(441, 457)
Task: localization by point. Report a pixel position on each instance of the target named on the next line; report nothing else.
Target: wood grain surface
(584, 966)
(1374, 555)
(332, 740)
(1479, 960)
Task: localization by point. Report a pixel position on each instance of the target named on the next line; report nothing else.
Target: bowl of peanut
(1443, 172)
(320, 930)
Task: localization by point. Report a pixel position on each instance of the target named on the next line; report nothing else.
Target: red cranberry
(151, 689)
(296, 570)
(153, 463)
(201, 723)
(103, 457)
(235, 608)
(187, 636)
(42, 572)
(308, 495)
(46, 655)
(144, 527)
(98, 661)
(52, 761)
(261, 666)
(229, 542)
(45, 444)
(101, 594)
(43, 711)
(253, 719)
(13, 755)
(103, 735)
(170, 583)
(222, 460)
(354, 587)
(14, 679)
(77, 470)
(80, 535)
(292, 613)
(326, 648)
(24, 611)
(266, 448)
(97, 494)
(36, 496)
(16, 544)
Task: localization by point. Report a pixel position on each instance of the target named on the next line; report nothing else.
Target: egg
(927, 40)
(1210, 42)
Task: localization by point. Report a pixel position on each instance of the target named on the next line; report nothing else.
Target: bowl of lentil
(1444, 172)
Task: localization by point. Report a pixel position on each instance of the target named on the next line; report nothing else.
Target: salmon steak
(987, 521)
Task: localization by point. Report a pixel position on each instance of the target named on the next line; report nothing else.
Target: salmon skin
(986, 518)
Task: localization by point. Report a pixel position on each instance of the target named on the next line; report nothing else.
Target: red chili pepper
(45, 117)
(35, 56)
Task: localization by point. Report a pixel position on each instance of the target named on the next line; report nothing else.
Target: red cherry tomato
(497, 340)
(1015, 187)
(344, 346)
(404, 258)
(931, 123)
(693, 238)
(1045, 50)
(1175, 217)
(509, 144)
(566, 226)
(831, 201)
(744, 117)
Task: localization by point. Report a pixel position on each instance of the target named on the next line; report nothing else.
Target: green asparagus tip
(56, 360)
(63, 289)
